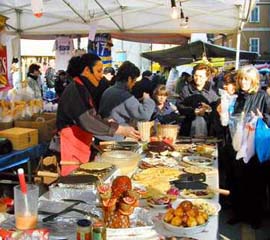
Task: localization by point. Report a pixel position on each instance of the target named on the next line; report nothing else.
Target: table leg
(29, 171)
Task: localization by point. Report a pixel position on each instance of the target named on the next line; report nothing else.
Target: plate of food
(198, 169)
(209, 207)
(197, 193)
(198, 160)
(185, 219)
(160, 203)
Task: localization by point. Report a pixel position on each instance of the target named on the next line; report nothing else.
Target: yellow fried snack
(176, 221)
(191, 222)
(168, 217)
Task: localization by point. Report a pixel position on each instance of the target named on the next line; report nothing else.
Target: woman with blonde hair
(248, 180)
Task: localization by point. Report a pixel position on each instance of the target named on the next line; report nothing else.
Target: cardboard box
(44, 122)
(21, 138)
(6, 125)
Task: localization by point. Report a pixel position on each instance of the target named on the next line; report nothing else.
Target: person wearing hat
(34, 81)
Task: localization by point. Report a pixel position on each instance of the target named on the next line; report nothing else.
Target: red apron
(75, 145)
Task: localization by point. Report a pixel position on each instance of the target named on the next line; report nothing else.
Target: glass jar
(99, 231)
(84, 230)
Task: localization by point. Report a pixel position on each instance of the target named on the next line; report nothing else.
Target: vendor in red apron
(77, 120)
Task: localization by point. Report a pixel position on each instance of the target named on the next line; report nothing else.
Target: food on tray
(95, 166)
(205, 149)
(173, 192)
(190, 193)
(156, 180)
(186, 214)
(198, 169)
(118, 202)
(159, 146)
(183, 147)
(160, 172)
(159, 202)
(198, 160)
(158, 161)
(207, 207)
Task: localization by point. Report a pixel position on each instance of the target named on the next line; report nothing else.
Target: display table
(19, 157)
(65, 228)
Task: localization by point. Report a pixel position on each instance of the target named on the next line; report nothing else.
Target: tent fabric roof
(194, 51)
(125, 16)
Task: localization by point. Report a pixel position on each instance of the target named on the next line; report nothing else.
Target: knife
(53, 216)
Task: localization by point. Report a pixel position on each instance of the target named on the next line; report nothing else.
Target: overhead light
(173, 4)
(174, 10)
(178, 13)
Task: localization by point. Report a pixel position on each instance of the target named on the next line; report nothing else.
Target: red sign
(3, 68)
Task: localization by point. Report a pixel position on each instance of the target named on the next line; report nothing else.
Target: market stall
(164, 177)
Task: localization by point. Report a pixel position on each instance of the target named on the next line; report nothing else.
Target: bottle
(99, 231)
(84, 230)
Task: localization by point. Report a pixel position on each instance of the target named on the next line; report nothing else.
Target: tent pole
(18, 18)
(238, 43)
(243, 16)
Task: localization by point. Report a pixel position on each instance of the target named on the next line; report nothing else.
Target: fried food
(186, 215)
(176, 221)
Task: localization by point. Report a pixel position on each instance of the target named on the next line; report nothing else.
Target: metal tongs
(70, 208)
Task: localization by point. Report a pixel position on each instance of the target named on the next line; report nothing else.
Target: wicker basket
(167, 131)
(145, 129)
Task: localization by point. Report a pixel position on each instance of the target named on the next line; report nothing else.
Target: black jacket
(145, 85)
(248, 102)
(77, 107)
(189, 99)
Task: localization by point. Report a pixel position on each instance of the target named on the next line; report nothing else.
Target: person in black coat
(195, 102)
(62, 80)
(145, 85)
(248, 180)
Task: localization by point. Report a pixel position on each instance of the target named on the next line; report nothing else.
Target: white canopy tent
(121, 17)
(127, 16)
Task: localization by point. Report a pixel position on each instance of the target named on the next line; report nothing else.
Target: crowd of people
(105, 105)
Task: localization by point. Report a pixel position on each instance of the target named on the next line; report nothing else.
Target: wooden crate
(44, 122)
(21, 138)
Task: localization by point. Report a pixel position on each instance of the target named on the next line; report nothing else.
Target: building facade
(255, 36)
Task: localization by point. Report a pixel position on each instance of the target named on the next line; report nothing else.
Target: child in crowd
(165, 112)
(230, 83)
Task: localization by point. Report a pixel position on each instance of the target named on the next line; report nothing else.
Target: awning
(194, 51)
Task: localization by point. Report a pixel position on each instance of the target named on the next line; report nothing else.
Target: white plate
(198, 169)
(157, 206)
(198, 160)
(184, 231)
